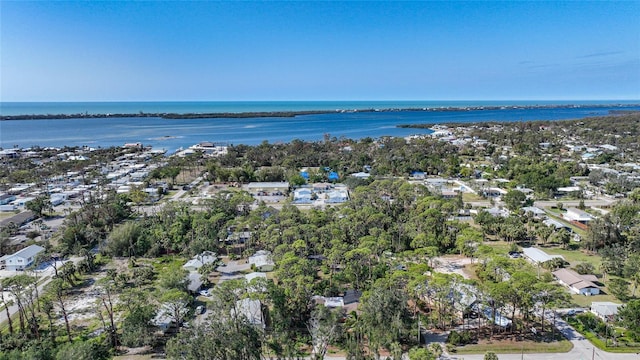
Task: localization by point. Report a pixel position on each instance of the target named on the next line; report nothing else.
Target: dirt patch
(452, 265)
(81, 304)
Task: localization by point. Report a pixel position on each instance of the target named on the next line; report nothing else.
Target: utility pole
(593, 354)
(418, 328)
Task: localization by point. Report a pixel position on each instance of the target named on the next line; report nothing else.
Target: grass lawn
(7, 214)
(500, 246)
(601, 343)
(576, 256)
(585, 301)
(514, 347)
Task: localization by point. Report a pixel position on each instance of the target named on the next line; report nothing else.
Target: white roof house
(262, 261)
(252, 310)
(556, 224)
(337, 196)
(536, 211)
(207, 257)
(267, 187)
(538, 256)
(605, 310)
(302, 195)
(578, 215)
(361, 175)
(20, 260)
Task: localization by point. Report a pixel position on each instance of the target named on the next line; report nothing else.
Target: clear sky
(161, 51)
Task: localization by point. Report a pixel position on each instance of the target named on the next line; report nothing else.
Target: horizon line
(311, 100)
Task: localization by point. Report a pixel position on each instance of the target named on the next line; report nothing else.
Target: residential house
(252, 310)
(268, 188)
(418, 175)
(538, 256)
(302, 196)
(262, 261)
(18, 219)
(337, 196)
(498, 212)
(194, 282)
(21, 259)
(494, 192)
(449, 194)
(196, 262)
(361, 175)
(605, 310)
(535, 211)
(578, 215)
(579, 284)
(6, 198)
(238, 237)
(556, 224)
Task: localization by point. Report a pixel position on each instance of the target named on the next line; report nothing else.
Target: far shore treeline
(275, 114)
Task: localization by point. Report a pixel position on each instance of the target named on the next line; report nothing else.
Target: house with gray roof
(252, 310)
(21, 259)
(577, 283)
(262, 261)
(577, 215)
(538, 256)
(606, 310)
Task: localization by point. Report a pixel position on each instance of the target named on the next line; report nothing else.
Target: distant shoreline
(289, 114)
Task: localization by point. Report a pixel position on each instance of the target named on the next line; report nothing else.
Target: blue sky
(157, 51)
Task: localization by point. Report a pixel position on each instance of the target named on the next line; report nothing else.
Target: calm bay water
(173, 134)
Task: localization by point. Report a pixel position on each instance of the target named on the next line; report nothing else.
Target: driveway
(233, 270)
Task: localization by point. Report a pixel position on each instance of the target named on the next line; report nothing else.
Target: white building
(262, 261)
(579, 284)
(21, 259)
(605, 310)
(538, 256)
(302, 196)
(578, 215)
(207, 257)
(337, 196)
(252, 310)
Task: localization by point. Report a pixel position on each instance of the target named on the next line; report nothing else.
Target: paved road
(46, 273)
(582, 350)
